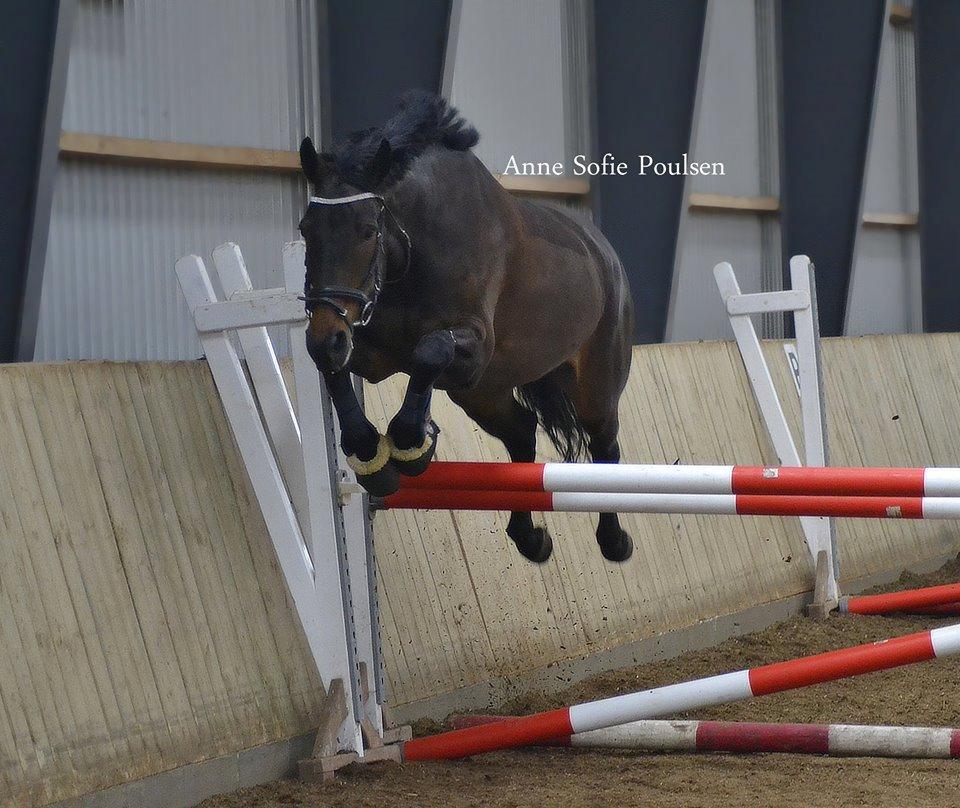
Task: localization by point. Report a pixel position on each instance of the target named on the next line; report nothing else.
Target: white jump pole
(659, 479)
(729, 504)
(692, 695)
(742, 737)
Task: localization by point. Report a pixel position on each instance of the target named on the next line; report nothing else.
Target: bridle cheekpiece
(330, 295)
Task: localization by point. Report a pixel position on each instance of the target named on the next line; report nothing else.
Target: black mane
(422, 120)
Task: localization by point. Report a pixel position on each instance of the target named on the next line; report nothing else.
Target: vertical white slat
(335, 566)
(316, 591)
(360, 546)
(812, 409)
(264, 369)
(817, 531)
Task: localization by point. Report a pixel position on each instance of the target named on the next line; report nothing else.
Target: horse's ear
(379, 166)
(310, 161)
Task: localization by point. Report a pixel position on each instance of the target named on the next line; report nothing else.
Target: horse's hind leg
(516, 427)
(602, 370)
(615, 543)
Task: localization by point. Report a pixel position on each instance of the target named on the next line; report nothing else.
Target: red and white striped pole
(873, 507)
(677, 479)
(752, 737)
(930, 600)
(727, 687)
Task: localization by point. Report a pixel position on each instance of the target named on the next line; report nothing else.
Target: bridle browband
(329, 295)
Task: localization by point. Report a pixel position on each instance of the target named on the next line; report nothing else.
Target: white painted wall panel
(708, 239)
(509, 80)
(736, 124)
(885, 287)
(109, 288)
(220, 72)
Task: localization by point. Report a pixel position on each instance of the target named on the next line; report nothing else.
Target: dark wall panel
(376, 50)
(27, 38)
(647, 59)
(829, 52)
(938, 107)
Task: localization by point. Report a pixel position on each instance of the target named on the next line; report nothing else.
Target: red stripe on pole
(498, 735)
(872, 482)
(722, 736)
(479, 477)
(840, 664)
(955, 743)
(455, 500)
(867, 507)
(907, 600)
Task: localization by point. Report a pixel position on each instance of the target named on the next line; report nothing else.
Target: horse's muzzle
(332, 352)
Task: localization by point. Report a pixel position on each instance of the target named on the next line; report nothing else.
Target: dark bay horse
(419, 262)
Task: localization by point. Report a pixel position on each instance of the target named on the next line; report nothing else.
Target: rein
(330, 295)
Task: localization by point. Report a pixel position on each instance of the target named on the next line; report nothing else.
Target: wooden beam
(901, 14)
(891, 219)
(560, 186)
(734, 204)
(81, 145)
(107, 148)
(727, 203)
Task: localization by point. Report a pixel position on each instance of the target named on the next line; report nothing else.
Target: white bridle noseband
(329, 295)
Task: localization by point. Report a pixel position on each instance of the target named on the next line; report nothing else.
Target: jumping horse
(419, 262)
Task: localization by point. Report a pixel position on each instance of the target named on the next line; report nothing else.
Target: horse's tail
(555, 411)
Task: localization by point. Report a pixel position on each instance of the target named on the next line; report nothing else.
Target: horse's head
(343, 228)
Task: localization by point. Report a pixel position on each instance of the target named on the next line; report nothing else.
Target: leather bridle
(330, 295)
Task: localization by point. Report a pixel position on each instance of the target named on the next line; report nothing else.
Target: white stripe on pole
(940, 507)
(946, 640)
(941, 482)
(664, 736)
(644, 503)
(614, 479)
(919, 742)
(680, 697)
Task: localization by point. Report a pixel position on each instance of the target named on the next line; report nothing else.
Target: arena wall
(144, 625)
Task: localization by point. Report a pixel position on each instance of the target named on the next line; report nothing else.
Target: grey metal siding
(217, 72)
(736, 125)
(885, 290)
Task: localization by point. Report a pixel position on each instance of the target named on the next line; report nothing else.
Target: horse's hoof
(378, 475)
(536, 545)
(618, 547)
(413, 462)
(381, 483)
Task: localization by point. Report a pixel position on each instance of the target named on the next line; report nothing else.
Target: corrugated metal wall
(885, 287)
(736, 124)
(244, 72)
(216, 72)
(521, 76)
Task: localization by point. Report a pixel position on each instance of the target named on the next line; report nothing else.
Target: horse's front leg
(412, 434)
(367, 451)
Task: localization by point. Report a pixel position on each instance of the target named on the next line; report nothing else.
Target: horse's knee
(431, 356)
